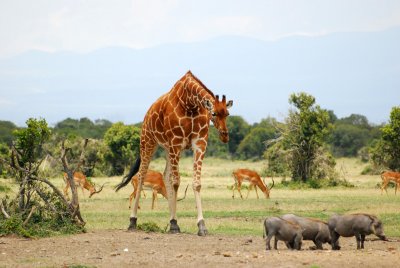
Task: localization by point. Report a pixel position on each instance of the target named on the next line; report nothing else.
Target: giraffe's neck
(192, 94)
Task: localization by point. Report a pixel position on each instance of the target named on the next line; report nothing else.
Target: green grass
(224, 215)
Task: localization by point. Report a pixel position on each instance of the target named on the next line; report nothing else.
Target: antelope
(388, 176)
(154, 181)
(81, 180)
(253, 178)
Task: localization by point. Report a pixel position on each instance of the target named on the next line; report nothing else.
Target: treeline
(114, 146)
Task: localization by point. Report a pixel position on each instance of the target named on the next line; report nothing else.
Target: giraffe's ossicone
(179, 120)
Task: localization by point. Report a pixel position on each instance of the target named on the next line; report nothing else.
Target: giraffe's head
(219, 112)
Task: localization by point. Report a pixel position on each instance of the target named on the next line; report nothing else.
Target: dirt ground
(120, 248)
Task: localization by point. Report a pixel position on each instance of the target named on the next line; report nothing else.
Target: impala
(154, 181)
(253, 178)
(81, 180)
(388, 176)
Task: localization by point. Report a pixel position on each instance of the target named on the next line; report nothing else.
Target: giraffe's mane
(201, 83)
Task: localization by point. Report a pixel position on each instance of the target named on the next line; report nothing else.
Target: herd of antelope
(154, 182)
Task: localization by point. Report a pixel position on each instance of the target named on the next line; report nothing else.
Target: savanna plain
(235, 226)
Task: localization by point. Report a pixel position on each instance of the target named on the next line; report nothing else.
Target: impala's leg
(248, 190)
(144, 193)
(239, 186)
(199, 149)
(82, 188)
(255, 188)
(153, 199)
(130, 198)
(146, 152)
(384, 186)
(234, 186)
(171, 179)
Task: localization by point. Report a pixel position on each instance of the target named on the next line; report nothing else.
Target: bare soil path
(120, 248)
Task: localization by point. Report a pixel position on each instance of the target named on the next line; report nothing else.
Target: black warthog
(313, 229)
(284, 230)
(358, 225)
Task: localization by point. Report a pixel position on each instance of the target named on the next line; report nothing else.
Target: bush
(314, 184)
(150, 227)
(42, 223)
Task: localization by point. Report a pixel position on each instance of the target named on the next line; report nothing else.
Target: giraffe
(179, 120)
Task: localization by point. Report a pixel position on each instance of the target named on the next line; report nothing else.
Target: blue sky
(83, 26)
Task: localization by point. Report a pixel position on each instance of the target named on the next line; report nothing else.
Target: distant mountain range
(346, 72)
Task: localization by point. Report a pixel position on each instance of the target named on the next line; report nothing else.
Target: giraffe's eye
(214, 114)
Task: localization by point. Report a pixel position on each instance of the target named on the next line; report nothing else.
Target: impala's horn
(273, 183)
(98, 191)
(180, 199)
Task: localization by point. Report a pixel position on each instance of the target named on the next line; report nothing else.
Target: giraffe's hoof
(174, 228)
(202, 228)
(132, 224)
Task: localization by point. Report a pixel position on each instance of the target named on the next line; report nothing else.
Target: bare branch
(55, 189)
(29, 216)
(3, 210)
(82, 157)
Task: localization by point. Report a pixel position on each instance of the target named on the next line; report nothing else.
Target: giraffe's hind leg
(171, 180)
(146, 152)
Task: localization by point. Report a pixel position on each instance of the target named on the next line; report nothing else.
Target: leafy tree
(238, 129)
(355, 120)
(215, 147)
(83, 127)
(29, 141)
(253, 145)
(39, 208)
(123, 143)
(351, 134)
(347, 140)
(278, 160)
(6, 130)
(307, 127)
(4, 154)
(386, 151)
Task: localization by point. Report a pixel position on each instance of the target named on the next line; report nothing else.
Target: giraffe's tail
(127, 178)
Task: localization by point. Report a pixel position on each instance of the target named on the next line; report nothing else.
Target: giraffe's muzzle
(223, 135)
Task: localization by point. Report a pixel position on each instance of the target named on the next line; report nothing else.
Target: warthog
(284, 230)
(358, 225)
(313, 229)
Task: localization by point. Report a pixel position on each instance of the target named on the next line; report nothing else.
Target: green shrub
(150, 227)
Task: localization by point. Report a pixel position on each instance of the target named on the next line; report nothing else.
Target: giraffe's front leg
(198, 161)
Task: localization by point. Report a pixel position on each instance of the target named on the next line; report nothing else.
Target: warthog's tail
(265, 229)
(127, 178)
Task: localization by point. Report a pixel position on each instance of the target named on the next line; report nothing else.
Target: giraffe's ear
(208, 105)
(229, 104)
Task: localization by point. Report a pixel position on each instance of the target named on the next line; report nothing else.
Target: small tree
(386, 152)
(306, 128)
(39, 207)
(123, 143)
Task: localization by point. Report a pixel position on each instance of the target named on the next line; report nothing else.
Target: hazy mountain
(346, 72)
